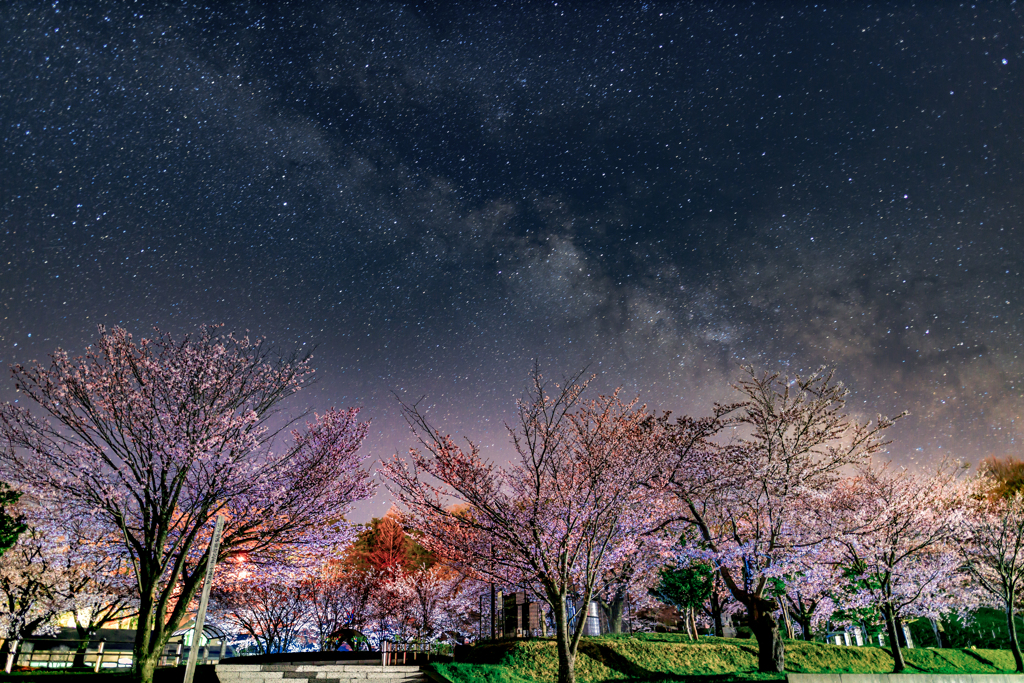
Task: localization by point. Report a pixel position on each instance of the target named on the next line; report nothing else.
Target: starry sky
(435, 195)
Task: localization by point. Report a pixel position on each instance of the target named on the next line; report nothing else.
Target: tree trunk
(1014, 646)
(786, 619)
(566, 657)
(894, 643)
(900, 633)
(938, 634)
(143, 632)
(146, 667)
(84, 637)
(771, 652)
(716, 612)
(149, 641)
(613, 611)
(805, 626)
(79, 660)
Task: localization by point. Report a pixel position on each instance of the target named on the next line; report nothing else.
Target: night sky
(436, 194)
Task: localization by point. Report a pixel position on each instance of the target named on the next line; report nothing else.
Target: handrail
(63, 657)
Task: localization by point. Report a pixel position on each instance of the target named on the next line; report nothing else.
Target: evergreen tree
(11, 526)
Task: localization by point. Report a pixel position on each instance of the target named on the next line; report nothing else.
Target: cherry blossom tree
(626, 582)
(441, 599)
(152, 440)
(332, 601)
(29, 589)
(792, 439)
(811, 578)
(557, 519)
(95, 580)
(991, 543)
(266, 602)
(60, 566)
(894, 531)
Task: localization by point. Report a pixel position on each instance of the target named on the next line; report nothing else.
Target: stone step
(363, 678)
(355, 668)
(313, 672)
(394, 672)
(321, 676)
(224, 674)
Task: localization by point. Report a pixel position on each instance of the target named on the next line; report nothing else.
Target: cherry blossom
(792, 439)
(894, 530)
(555, 521)
(152, 440)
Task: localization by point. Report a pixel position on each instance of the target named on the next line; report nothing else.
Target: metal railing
(62, 654)
(395, 654)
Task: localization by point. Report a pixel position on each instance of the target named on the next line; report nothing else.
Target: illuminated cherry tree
(792, 439)
(61, 565)
(152, 440)
(811, 578)
(991, 543)
(30, 596)
(553, 522)
(894, 530)
(441, 599)
(625, 584)
(265, 602)
(96, 584)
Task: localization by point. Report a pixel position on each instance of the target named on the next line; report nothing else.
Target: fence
(62, 654)
(394, 654)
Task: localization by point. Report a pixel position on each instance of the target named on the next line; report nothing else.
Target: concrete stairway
(318, 672)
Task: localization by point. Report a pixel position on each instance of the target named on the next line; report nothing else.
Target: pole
(630, 614)
(197, 632)
(12, 654)
(98, 664)
(494, 624)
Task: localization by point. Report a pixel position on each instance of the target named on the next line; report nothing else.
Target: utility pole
(197, 632)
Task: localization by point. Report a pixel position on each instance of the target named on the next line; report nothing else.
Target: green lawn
(715, 660)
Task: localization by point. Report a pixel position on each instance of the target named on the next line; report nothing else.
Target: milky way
(436, 195)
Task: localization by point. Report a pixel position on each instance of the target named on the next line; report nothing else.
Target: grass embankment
(716, 660)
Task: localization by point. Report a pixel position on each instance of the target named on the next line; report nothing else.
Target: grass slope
(717, 660)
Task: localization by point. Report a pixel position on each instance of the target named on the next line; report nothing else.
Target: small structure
(213, 643)
(521, 618)
(848, 637)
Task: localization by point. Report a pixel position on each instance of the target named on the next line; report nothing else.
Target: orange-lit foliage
(1005, 474)
(384, 546)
